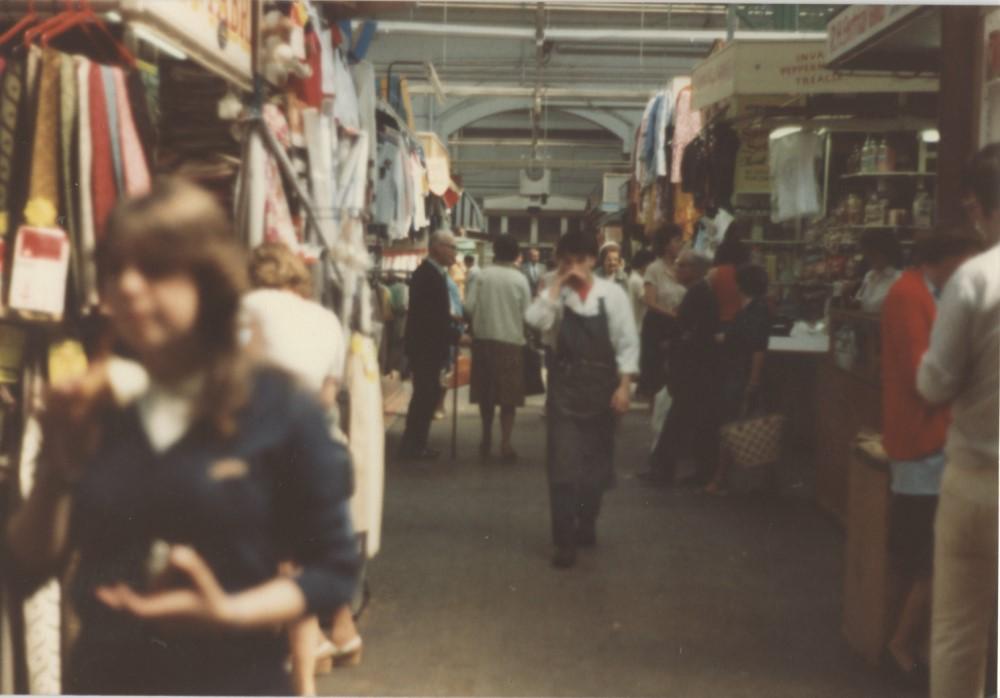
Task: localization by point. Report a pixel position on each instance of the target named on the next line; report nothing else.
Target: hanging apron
(583, 376)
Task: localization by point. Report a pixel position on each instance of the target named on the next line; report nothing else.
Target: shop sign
(858, 24)
(786, 68)
(752, 174)
(216, 33)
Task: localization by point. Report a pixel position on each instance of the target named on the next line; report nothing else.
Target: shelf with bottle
(874, 175)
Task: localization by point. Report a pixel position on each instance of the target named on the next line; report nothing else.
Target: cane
(454, 406)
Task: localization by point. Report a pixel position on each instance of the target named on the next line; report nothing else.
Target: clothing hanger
(22, 24)
(86, 18)
(53, 21)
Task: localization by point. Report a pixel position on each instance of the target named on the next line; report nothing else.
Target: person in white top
(663, 295)
(588, 325)
(299, 335)
(637, 284)
(496, 303)
(883, 254)
(962, 366)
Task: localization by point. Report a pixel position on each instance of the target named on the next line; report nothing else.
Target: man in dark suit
(533, 270)
(430, 336)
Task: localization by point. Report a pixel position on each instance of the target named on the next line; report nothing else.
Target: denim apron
(583, 376)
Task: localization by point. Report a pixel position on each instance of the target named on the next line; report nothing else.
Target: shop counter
(871, 590)
(790, 384)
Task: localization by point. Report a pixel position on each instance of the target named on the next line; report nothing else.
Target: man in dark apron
(588, 325)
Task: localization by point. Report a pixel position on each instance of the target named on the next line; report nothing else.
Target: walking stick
(454, 408)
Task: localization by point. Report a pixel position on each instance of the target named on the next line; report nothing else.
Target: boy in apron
(588, 325)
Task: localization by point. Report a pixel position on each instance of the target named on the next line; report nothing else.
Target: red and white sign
(858, 24)
(38, 278)
(785, 67)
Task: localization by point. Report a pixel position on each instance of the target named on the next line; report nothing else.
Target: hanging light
(930, 135)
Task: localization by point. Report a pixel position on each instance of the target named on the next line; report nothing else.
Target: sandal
(348, 654)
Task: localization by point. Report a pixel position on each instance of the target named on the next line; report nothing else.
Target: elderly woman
(181, 502)
(663, 295)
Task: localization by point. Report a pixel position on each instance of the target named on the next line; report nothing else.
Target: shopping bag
(460, 373)
(754, 441)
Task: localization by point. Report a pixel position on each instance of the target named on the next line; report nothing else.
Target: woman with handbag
(744, 347)
(181, 499)
(588, 325)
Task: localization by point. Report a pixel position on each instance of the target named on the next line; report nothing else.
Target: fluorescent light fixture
(930, 135)
(113, 17)
(784, 131)
(154, 39)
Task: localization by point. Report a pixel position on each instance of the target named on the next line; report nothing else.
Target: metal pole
(454, 408)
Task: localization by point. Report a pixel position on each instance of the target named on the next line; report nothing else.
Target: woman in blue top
(182, 500)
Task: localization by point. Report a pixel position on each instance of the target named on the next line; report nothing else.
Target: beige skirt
(497, 373)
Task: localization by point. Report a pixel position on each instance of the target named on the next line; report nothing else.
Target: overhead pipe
(546, 93)
(536, 98)
(606, 35)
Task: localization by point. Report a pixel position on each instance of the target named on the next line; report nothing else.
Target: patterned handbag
(754, 441)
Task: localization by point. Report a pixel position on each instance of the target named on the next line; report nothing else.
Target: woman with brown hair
(181, 502)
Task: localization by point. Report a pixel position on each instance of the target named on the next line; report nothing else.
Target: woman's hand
(204, 603)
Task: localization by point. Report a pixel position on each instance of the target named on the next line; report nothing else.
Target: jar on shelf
(923, 206)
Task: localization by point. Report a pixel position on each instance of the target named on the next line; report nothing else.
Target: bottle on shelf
(923, 206)
(885, 159)
(868, 155)
(854, 161)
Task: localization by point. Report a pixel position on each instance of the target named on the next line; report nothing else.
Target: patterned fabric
(102, 172)
(278, 226)
(687, 124)
(43, 196)
(133, 158)
(755, 441)
(111, 104)
(10, 109)
(67, 125)
(87, 235)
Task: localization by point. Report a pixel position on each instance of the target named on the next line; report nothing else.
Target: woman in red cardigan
(914, 435)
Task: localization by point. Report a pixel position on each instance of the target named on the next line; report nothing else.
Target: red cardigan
(911, 429)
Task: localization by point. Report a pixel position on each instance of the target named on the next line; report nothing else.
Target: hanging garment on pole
(364, 84)
(102, 172)
(43, 195)
(42, 609)
(352, 174)
(319, 142)
(11, 100)
(87, 234)
(794, 186)
(418, 176)
(111, 104)
(136, 172)
(366, 440)
(278, 226)
(687, 124)
(345, 104)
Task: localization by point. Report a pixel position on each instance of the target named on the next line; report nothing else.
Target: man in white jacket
(962, 366)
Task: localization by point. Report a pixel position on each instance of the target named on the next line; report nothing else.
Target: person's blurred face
(534, 255)
(612, 260)
(580, 266)
(152, 315)
(444, 252)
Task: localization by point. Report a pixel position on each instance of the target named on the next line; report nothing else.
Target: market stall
(814, 158)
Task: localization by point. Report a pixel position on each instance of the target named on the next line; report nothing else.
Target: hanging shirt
(545, 314)
(687, 124)
(794, 189)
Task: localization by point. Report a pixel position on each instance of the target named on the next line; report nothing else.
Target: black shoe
(564, 558)
(586, 536)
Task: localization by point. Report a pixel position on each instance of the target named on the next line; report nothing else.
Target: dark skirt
(497, 374)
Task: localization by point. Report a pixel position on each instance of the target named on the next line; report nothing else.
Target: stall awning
(785, 68)
(885, 39)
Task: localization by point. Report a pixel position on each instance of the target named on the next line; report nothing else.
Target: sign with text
(786, 67)
(858, 24)
(216, 33)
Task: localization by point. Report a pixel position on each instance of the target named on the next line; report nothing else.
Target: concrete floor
(686, 595)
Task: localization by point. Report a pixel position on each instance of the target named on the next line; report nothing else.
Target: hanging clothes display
(367, 441)
(792, 165)
(687, 124)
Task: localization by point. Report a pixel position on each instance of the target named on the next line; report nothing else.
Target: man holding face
(587, 324)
